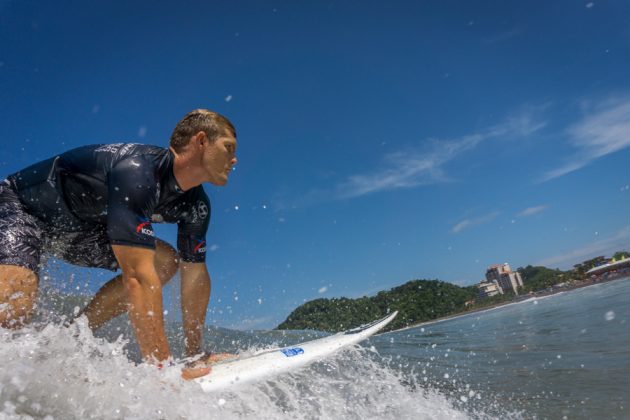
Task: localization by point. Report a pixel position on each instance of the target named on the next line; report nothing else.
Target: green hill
(539, 278)
(416, 301)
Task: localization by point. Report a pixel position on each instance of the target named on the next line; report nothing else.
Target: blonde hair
(213, 124)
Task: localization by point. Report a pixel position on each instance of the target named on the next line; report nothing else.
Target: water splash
(66, 372)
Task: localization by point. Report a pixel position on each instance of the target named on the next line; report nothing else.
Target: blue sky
(379, 142)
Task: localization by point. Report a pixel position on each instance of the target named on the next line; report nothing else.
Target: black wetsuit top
(123, 187)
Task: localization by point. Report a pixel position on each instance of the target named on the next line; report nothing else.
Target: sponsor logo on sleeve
(199, 212)
(144, 227)
(202, 210)
(109, 148)
(200, 248)
(293, 351)
(121, 148)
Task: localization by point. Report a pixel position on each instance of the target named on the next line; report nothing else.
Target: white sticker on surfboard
(281, 360)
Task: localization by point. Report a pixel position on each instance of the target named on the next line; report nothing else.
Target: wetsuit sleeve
(191, 231)
(132, 195)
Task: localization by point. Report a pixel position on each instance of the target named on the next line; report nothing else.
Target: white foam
(68, 373)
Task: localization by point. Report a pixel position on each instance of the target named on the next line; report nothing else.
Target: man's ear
(199, 139)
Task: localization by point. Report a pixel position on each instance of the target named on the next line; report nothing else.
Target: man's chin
(219, 182)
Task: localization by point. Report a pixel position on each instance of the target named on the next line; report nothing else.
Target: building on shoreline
(489, 288)
(500, 279)
(611, 266)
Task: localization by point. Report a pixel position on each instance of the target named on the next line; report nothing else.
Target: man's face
(219, 157)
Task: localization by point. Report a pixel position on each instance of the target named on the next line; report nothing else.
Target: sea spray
(66, 372)
(61, 370)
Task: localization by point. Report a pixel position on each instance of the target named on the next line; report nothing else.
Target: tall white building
(489, 288)
(503, 275)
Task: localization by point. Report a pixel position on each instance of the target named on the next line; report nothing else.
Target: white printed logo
(202, 210)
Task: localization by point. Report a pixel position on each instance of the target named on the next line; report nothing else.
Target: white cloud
(142, 131)
(617, 242)
(504, 36)
(322, 290)
(411, 168)
(423, 164)
(530, 211)
(468, 223)
(605, 130)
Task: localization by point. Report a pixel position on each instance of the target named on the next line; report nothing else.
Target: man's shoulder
(125, 154)
(194, 197)
(197, 202)
(107, 156)
(198, 192)
(122, 150)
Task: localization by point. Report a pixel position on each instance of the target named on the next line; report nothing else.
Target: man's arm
(144, 293)
(195, 289)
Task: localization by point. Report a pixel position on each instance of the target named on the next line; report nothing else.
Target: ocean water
(561, 356)
(564, 356)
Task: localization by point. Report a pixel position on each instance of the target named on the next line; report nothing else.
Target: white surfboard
(275, 361)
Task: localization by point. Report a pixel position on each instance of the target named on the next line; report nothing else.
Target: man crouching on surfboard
(93, 206)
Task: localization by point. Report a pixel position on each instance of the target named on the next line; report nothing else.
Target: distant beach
(530, 297)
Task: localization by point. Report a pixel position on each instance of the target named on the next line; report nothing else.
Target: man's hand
(193, 372)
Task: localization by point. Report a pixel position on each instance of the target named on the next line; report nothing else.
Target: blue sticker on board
(293, 351)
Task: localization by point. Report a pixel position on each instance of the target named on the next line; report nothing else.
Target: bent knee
(18, 292)
(166, 261)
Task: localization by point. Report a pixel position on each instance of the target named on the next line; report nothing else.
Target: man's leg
(111, 300)
(18, 292)
(20, 246)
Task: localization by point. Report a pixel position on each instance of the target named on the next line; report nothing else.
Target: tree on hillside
(539, 277)
(416, 301)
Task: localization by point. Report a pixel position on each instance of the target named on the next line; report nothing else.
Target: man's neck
(183, 171)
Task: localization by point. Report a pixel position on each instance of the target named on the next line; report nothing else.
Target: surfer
(94, 206)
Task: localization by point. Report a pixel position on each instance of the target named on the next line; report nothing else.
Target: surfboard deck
(272, 362)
